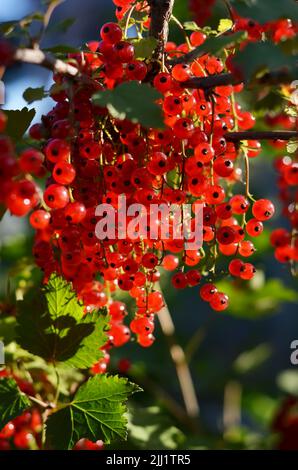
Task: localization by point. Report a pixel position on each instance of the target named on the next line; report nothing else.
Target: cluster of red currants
(90, 157)
(285, 241)
(23, 432)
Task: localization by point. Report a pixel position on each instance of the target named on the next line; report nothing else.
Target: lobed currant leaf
(144, 48)
(18, 122)
(52, 325)
(12, 401)
(96, 412)
(34, 94)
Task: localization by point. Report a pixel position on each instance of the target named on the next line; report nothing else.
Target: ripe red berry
(235, 267)
(219, 302)
(56, 196)
(207, 292)
(254, 227)
(64, 173)
(179, 281)
(40, 219)
(263, 209)
(57, 150)
(181, 72)
(111, 33)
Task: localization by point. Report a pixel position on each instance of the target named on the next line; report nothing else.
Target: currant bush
(88, 157)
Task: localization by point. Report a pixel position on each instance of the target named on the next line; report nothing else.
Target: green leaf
(18, 122)
(144, 47)
(62, 26)
(34, 94)
(292, 146)
(250, 360)
(12, 401)
(152, 428)
(267, 10)
(52, 325)
(96, 412)
(191, 26)
(134, 101)
(62, 49)
(225, 24)
(287, 381)
(263, 56)
(252, 303)
(7, 329)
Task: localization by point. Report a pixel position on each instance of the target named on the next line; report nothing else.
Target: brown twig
(160, 11)
(180, 362)
(260, 135)
(211, 81)
(38, 57)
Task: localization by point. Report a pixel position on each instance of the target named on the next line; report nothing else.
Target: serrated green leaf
(96, 412)
(263, 56)
(34, 94)
(225, 24)
(292, 146)
(144, 47)
(267, 10)
(152, 428)
(52, 325)
(18, 122)
(134, 101)
(12, 401)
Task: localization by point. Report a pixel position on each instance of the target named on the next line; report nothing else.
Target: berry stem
(40, 402)
(180, 362)
(131, 10)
